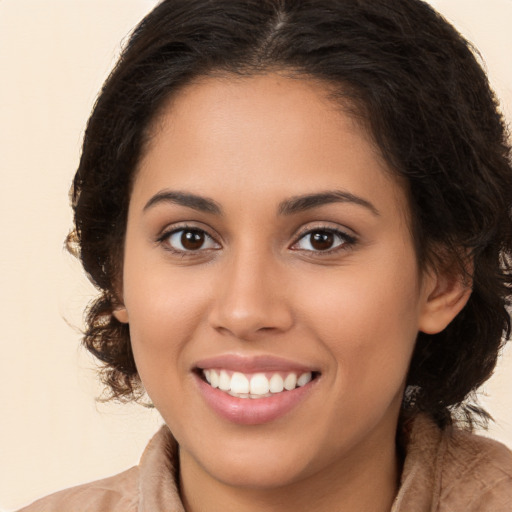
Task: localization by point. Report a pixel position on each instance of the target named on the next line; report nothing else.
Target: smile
(256, 385)
(254, 390)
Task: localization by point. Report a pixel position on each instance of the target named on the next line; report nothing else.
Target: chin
(266, 472)
(269, 460)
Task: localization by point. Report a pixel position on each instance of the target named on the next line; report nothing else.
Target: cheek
(165, 309)
(367, 319)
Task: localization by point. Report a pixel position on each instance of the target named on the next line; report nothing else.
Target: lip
(247, 411)
(253, 364)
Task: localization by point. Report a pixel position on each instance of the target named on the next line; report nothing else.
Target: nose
(251, 298)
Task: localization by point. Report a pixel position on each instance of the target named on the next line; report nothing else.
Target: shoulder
(118, 493)
(152, 485)
(452, 470)
(478, 469)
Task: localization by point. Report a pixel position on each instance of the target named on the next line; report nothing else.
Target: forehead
(269, 133)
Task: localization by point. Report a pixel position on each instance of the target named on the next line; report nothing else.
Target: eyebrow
(200, 203)
(301, 203)
(290, 206)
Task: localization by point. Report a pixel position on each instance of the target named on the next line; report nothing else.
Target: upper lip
(252, 364)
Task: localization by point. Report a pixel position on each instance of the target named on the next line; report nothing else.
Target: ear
(446, 294)
(121, 314)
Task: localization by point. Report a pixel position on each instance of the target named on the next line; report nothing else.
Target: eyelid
(168, 231)
(350, 239)
(193, 225)
(325, 226)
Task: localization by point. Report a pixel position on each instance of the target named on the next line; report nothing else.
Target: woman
(298, 216)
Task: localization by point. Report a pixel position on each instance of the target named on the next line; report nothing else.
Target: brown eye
(322, 240)
(190, 240)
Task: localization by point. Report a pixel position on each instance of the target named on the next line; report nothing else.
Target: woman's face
(267, 242)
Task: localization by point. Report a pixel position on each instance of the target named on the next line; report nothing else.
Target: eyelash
(164, 240)
(347, 241)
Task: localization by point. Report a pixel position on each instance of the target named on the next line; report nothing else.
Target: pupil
(192, 240)
(322, 241)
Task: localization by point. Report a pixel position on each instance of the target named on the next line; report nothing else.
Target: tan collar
(444, 470)
(419, 486)
(159, 471)
(159, 475)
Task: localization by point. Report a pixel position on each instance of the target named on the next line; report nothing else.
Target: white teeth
(224, 381)
(239, 395)
(214, 379)
(248, 395)
(290, 382)
(276, 384)
(304, 379)
(256, 385)
(259, 384)
(239, 383)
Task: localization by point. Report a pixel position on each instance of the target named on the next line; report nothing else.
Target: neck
(366, 480)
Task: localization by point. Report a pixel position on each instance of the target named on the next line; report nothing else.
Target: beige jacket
(444, 471)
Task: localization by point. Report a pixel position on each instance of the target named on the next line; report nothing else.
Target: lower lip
(253, 411)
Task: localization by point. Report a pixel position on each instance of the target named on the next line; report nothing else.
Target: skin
(258, 286)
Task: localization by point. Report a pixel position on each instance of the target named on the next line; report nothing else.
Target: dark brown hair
(427, 101)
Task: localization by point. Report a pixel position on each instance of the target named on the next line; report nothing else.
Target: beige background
(54, 55)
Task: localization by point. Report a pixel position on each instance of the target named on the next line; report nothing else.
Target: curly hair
(418, 86)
